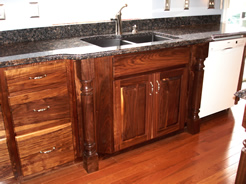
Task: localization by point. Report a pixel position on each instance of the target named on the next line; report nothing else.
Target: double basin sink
(114, 40)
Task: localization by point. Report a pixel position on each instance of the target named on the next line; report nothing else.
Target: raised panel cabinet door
(170, 94)
(132, 105)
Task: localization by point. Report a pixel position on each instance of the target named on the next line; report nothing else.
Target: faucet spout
(118, 25)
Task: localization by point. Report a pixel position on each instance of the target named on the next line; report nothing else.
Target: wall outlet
(2, 12)
(34, 9)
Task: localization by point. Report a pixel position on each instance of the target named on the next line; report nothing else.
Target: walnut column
(85, 72)
(199, 53)
(241, 171)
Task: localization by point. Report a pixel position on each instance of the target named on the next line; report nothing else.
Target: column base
(90, 163)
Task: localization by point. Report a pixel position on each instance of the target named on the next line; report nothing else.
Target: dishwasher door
(221, 75)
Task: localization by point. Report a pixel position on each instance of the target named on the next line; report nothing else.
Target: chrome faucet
(118, 25)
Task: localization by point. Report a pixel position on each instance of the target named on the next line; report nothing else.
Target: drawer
(45, 149)
(40, 114)
(5, 164)
(62, 90)
(35, 77)
(149, 61)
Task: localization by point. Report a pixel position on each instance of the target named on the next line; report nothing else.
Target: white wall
(55, 12)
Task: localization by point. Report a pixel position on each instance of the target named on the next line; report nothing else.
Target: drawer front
(40, 114)
(154, 60)
(45, 149)
(37, 95)
(5, 164)
(35, 78)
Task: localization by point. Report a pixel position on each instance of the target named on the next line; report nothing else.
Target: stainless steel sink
(143, 38)
(105, 42)
(128, 39)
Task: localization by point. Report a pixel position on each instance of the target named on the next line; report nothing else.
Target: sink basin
(128, 39)
(105, 42)
(146, 38)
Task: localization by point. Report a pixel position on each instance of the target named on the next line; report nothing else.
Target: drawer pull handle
(48, 151)
(41, 110)
(159, 86)
(38, 77)
(152, 88)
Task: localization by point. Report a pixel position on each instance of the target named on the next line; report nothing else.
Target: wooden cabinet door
(170, 94)
(132, 105)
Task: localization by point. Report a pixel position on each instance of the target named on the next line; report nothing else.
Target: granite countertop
(76, 49)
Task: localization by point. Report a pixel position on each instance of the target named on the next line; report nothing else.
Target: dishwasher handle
(228, 48)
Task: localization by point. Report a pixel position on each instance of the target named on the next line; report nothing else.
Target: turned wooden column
(85, 73)
(199, 53)
(241, 171)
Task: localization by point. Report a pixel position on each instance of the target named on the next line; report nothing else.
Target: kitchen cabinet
(149, 93)
(39, 111)
(149, 106)
(56, 112)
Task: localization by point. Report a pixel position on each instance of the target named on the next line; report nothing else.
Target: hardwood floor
(206, 158)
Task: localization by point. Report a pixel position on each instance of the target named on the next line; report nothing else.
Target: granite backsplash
(76, 30)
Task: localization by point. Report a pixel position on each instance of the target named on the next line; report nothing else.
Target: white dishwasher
(221, 75)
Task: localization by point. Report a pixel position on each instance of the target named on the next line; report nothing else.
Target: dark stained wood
(38, 104)
(8, 124)
(45, 149)
(5, 164)
(73, 108)
(151, 105)
(21, 79)
(199, 53)
(241, 172)
(24, 115)
(148, 61)
(104, 104)
(85, 72)
(132, 111)
(80, 128)
(170, 93)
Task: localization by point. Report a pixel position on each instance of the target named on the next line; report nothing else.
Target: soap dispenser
(134, 29)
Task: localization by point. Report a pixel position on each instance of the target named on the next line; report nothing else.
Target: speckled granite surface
(77, 30)
(241, 94)
(72, 47)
